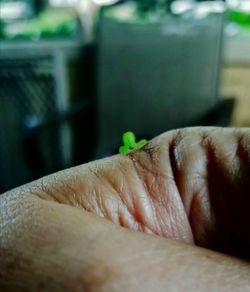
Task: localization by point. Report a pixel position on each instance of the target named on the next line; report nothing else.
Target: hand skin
(187, 191)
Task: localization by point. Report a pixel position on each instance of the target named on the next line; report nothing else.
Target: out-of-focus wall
(236, 83)
(236, 78)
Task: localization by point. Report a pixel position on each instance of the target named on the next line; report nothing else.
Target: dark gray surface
(154, 77)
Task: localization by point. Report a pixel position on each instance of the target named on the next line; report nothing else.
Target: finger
(211, 169)
(190, 185)
(47, 246)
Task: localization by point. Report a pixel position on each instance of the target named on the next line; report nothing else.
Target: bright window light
(104, 2)
(14, 10)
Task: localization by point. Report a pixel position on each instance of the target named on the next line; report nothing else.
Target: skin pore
(186, 191)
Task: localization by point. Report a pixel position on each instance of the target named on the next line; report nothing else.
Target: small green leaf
(129, 142)
(129, 139)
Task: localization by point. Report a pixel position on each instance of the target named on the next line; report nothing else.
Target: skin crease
(186, 188)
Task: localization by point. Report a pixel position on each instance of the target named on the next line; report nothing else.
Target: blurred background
(76, 74)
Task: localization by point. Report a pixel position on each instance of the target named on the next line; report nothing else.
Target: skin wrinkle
(44, 190)
(125, 219)
(174, 160)
(126, 208)
(140, 173)
(93, 200)
(193, 193)
(164, 201)
(118, 189)
(73, 194)
(200, 211)
(101, 205)
(137, 200)
(123, 206)
(190, 172)
(127, 195)
(94, 204)
(106, 203)
(141, 169)
(153, 179)
(178, 157)
(202, 229)
(213, 179)
(173, 157)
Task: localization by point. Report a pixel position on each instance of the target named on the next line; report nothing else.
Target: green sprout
(130, 143)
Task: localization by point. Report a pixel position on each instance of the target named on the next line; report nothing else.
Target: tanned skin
(172, 216)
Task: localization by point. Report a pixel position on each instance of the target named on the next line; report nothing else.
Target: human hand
(188, 186)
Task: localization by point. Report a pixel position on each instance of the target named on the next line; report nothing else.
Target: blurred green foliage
(240, 17)
(50, 23)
